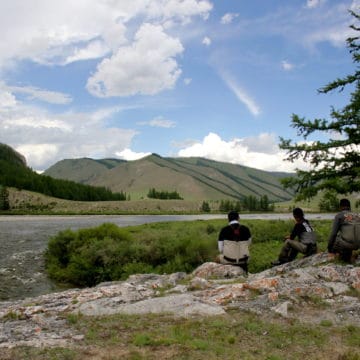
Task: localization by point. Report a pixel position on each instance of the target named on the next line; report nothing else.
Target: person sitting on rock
(233, 242)
(345, 232)
(305, 244)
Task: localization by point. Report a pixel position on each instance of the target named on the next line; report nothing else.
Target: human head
(298, 214)
(345, 204)
(233, 216)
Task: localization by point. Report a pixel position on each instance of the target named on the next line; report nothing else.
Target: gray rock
(212, 289)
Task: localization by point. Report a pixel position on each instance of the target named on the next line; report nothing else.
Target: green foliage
(228, 205)
(4, 198)
(107, 253)
(15, 173)
(164, 195)
(329, 201)
(248, 203)
(205, 207)
(335, 163)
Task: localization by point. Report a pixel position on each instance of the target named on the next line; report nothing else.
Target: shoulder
(244, 228)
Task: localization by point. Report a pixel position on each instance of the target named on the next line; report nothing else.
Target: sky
(218, 79)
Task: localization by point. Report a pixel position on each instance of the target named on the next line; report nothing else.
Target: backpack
(350, 228)
(309, 236)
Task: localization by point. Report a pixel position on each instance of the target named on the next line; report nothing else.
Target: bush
(107, 252)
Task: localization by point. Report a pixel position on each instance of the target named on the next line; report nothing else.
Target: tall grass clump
(106, 253)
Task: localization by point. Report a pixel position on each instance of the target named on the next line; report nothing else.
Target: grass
(109, 253)
(233, 336)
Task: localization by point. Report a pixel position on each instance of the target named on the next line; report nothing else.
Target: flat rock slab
(180, 305)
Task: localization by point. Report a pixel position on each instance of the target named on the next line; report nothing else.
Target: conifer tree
(334, 164)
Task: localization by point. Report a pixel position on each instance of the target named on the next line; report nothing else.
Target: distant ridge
(83, 170)
(193, 178)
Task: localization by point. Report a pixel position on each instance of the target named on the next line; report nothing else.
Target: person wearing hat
(233, 242)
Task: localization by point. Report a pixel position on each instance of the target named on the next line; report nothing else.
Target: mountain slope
(83, 170)
(193, 178)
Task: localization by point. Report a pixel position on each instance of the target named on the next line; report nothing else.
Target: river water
(23, 240)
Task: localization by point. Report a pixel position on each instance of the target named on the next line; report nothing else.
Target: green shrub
(106, 253)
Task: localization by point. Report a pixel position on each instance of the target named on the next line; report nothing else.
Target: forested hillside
(15, 173)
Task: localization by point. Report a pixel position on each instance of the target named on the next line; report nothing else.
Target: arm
(296, 231)
(334, 230)
(221, 246)
(221, 239)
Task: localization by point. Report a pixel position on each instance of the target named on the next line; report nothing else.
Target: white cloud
(146, 67)
(287, 66)
(308, 26)
(228, 18)
(159, 122)
(260, 152)
(187, 81)
(7, 99)
(44, 138)
(93, 50)
(241, 94)
(183, 10)
(129, 155)
(52, 97)
(58, 33)
(38, 153)
(206, 41)
(314, 3)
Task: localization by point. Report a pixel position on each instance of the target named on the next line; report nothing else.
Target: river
(23, 240)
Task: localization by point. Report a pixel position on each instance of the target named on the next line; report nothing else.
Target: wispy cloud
(206, 41)
(314, 3)
(228, 18)
(159, 122)
(52, 97)
(287, 66)
(241, 94)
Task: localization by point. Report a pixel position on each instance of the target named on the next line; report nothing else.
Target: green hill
(15, 173)
(84, 170)
(193, 178)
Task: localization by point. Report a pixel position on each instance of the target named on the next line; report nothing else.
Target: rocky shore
(312, 289)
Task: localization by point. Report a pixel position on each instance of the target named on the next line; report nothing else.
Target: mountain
(9, 155)
(193, 178)
(15, 173)
(84, 170)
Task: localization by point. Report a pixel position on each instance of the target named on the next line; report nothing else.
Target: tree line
(13, 174)
(163, 195)
(248, 203)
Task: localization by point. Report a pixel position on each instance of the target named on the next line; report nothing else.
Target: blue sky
(124, 78)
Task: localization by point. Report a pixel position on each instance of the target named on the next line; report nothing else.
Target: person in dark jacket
(233, 242)
(305, 242)
(345, 232)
